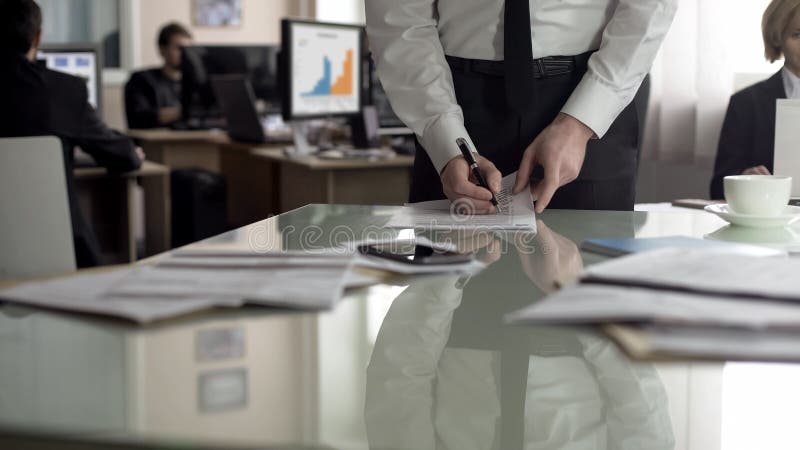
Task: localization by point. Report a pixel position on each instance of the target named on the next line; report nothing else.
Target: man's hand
(758, 170)
(560, 149)
(554, 262)
(140, 153)
(459, 185)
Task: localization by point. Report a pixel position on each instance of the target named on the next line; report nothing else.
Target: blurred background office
(149, 66)
(713, 49)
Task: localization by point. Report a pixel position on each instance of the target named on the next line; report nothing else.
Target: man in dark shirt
(41, 102)
(153, 96)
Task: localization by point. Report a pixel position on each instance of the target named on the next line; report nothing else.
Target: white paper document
(707, 343)
(595, 304)
(787, 141)
(87, 294)
(516, 213)
(704, 271)
(345, 254)
(295, 287)
(679, 286)
(187, 281)
(150, 293)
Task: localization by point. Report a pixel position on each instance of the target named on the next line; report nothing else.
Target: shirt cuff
(439, 140)
(595, 104)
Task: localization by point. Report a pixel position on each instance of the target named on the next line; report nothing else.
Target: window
(84, 21)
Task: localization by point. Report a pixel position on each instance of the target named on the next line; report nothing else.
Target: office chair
(35, 225)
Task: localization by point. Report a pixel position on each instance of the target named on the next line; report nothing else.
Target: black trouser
(608, 177)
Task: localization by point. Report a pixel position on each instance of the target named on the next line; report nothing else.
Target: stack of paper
(180, 285)
(675, 289)
(190, 280)
(516, 213)
(653, 341)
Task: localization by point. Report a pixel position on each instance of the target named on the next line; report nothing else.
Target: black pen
(473, 165)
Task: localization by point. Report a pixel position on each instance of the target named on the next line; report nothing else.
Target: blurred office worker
(153, 96)
(526, 83)
(747, 140)
(41, 102)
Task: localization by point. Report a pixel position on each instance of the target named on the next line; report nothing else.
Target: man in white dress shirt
(527, 83)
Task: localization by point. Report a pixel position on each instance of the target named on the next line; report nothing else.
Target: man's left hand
(560, 149)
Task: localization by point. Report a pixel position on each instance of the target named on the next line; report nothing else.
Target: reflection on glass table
(442, 365)
(446, 374)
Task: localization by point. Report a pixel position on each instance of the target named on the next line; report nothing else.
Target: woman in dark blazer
(747, 141)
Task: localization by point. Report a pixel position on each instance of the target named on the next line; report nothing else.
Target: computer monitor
(387, 119)
(200, 63)
(323, 69)
(80, 60)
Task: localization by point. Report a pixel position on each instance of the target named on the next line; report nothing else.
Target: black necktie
(518, 50)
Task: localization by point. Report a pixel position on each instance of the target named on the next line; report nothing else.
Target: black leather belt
(550, 66)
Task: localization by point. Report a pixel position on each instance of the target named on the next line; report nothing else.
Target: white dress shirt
(410, 38)
(791, 84)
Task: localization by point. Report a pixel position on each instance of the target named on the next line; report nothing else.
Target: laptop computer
(238, 103)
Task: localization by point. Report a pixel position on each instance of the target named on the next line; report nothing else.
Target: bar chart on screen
(343, 84)
(325, 70)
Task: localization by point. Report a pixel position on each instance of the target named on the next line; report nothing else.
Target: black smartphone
(412, 253)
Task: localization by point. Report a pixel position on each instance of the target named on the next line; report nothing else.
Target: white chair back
(35, 225)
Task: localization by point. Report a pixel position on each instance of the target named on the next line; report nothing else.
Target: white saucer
(790, 214)
(782, 237)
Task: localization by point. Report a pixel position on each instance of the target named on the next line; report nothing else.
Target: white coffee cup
(758, 195)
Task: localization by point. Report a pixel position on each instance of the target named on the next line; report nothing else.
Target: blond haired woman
(748, 135)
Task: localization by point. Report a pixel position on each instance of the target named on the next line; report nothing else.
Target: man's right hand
(757, 170)
(459, 185)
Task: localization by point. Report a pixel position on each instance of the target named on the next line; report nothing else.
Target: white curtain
(711, 44)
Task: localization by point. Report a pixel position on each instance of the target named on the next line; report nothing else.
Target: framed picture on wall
(217, 13)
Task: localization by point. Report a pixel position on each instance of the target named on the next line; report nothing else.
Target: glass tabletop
(413, 363)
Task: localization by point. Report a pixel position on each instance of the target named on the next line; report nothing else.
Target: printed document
(516, 213)
(679, 286)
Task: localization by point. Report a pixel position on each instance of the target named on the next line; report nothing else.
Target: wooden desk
(261, 181)
(299, 181)
(182, 149)
(108, 201)
(308, 179)
(245, 177)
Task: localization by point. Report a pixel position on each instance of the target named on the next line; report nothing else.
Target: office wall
(261, 23)
(345, 11)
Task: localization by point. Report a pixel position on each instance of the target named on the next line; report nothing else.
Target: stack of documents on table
(182, 284)
(187, 281)
(684, 291)
(516, 213)
(654, 341)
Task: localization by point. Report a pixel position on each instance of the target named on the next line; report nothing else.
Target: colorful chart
(325, 70)
(343, 84)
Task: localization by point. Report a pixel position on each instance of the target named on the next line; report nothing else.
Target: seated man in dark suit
(747, 141)
(153, 96)
(40, 102)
